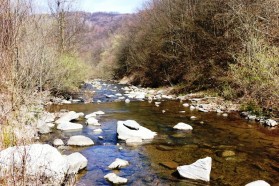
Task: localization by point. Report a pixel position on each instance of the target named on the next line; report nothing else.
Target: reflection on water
(256, 148)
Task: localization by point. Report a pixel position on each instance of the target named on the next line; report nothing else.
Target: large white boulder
(113, 178)
(183, 126)
(200, 170)
(258, 183)
(69, 116)
(76, 162)
(80, 141)
(125, 132)
(90, 115)
(132, 124)
(118, 163)
(66, 126)
(36, 161)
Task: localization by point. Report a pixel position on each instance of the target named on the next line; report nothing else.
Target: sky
(121, 6)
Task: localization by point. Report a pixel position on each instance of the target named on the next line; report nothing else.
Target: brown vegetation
(230, 46)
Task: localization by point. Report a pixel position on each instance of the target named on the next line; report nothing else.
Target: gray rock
(80, 141)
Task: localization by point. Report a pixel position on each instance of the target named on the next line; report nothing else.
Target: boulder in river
(133, 129)
(199, 170)
(66, 126)
(69, 116)
(118, 163)
(258, 183)
(92, 121)
(41, 162)
(76, 162)
(80, 141)
(183, 126)
(113, 178)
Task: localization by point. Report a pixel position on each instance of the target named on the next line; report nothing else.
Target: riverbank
(156, 109)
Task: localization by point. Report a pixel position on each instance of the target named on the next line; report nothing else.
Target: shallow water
(256, 147)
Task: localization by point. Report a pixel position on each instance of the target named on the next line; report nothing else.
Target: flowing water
(256, 148)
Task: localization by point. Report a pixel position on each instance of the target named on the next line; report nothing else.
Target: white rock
(200, 170)
(258, 183)
(219, 111)
(58, 142)
(125, 132)
(225, 114)
(48, 117)
(90, 115)
(101, 137)
(72, 115)
(118, 94)
(127, 101)
(271, 123)
(118, 163)
(66, 102)
(132, 124)
(66, 126)
(193, 117)
(252, 117)
(182, 111)
(76, 162)
(50, 125)
(186, 105)
(112, 177)
(133, 141)
(97, 130)
(183, 126)
(44, 129)
(40, 161)
(92, 121)
(192, 107)
(80, 141)
(99, 112)
(203, 110)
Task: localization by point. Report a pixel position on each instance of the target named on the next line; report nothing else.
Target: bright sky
(121, 6)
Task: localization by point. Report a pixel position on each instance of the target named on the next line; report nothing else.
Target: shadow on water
(256, 148)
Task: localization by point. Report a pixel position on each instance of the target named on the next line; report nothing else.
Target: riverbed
(242, 151)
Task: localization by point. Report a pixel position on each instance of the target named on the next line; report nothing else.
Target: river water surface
(256, 148)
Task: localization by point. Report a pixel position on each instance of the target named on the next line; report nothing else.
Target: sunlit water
(256, 147)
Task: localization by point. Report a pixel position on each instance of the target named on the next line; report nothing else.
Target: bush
(257, 74)
(71, 72)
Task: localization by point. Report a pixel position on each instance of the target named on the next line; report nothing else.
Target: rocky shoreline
(130, 131)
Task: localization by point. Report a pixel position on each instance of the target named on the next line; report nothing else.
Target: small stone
(127, 101)
(169, 164)
(101, 137)
(58, 142)
(186, 105)
(92, 121)
(118, 163)
(228, 153)
(97, 130)
(164, 148)
(183, 126)
(115, 179)
(193, 117)
(258, 183)
(225, 114)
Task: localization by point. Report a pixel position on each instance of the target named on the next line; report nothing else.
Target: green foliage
(8, 137)
(72, 71)
(257, 73)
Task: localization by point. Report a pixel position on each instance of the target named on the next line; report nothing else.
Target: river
(254, 148)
